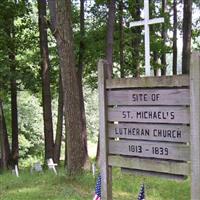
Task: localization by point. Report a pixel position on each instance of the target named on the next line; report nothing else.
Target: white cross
(146, 22)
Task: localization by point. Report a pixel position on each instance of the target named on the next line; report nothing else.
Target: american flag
(141, 195)
(98, 189)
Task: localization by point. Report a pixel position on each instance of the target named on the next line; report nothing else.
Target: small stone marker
(37, 167)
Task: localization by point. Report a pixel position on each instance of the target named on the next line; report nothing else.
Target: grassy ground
(47, 186)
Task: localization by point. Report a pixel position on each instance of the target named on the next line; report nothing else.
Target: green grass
(47, 186)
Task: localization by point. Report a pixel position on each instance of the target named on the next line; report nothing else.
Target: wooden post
(106, 172)
(195, 125)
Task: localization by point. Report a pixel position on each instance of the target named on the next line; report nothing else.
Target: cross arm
(150, 21)
(138, 23)
(156, 20)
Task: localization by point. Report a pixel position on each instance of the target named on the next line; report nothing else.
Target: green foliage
(30, 126)
(81, 187)
(91, 106)
(25, 42)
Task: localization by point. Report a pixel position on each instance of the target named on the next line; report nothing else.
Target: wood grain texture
(138, 172)
(149, 97)
(154, 132)
(148, 149)
(151, 114)
(195, 124)
(149, 82)
(154, 165)
(106, 173)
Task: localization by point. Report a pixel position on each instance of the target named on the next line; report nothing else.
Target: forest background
(48, 69)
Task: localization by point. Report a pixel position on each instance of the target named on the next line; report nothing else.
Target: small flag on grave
(141, 195)
(97, 195)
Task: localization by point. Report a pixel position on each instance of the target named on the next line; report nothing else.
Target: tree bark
(136, 40)
(187, 24)
(75, 149)
(121, 38)
(110, 36)
(59, 128)
(52, 8)
(164, 37)
(80, 78)
(10, 31)
(155, 60)
(4, 143)
(175, 37)
(14, 112)
(13, 89)
(46, 93)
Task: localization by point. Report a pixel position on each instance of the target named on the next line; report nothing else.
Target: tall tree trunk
(164, 37)
(52, 8)
(175, 38)
(110, 36)
(109, 46)
(59, 128)
(4, 143)
(155, 60)
(187, 24)
(14, 110)
(136, 40)
(46, 93)
(80, 78)
(75, 148)
(10, 31)
(121, 38)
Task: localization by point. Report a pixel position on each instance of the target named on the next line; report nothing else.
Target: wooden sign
(150, 125)
(150, 149)
(152, 165)
(158, 132)
(151, 114)
(179, 81)
(149, 97)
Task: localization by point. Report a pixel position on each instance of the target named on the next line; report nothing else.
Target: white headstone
(146, 22)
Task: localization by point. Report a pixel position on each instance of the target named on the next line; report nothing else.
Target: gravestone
(51, 165)
(37, 167)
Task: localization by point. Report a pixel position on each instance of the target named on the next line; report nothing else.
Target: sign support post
(105, 170)
(195, 125)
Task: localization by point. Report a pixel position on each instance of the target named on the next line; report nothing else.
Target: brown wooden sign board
(152, 132)
(150, 125)
(147, 149)
(150, 114)
(148, 164)
(149, 97)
